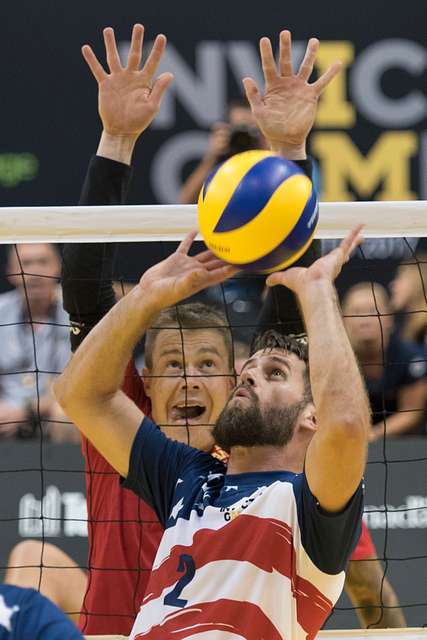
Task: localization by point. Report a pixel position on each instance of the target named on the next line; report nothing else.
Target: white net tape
(172, 222)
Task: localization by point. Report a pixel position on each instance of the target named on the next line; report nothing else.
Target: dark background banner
(399, 532)
(371, 124)
(370, 136)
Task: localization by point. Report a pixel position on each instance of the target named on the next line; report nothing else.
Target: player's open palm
(128, 99)
(286, 112)
(326, 268)
(181, 276)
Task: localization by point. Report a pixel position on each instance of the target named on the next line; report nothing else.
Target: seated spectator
(238, 134)
(408, 299)
(395, 369)
(34, 338)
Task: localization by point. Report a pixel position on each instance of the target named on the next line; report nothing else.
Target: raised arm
(285, 114)
(89, 389)
(336, 456)
(127, 105)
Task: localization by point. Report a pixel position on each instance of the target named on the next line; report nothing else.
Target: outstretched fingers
(93, 63)
(153, 60)
(267, 60)
(160, 87)
(350, 242)
(252, 93)
(285, 54)
(184, 246)
(113, 58)
(326, 78)
(220, 274)
(306, 68)
(135, 50)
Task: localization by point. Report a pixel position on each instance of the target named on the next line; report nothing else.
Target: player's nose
(191, 377)
(248, 376)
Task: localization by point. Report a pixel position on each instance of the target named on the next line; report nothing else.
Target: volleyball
(258, 211)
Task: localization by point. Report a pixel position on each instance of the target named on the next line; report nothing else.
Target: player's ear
(146, 377)
(308, 417)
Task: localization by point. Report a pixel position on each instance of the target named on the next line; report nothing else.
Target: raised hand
(181, 276)
(128, 99)
(286, 112)
(326, 268)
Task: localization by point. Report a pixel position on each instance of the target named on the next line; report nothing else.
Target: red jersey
(365, 548)
(124, 535)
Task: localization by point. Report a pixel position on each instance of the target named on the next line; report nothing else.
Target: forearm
(116, 147)
(337, 386)
(191, 188)
(87, 268)
(97, 370)
(289, 151)
(397, 424)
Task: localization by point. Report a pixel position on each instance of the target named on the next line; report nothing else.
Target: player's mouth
(188, 413)
(242, 391)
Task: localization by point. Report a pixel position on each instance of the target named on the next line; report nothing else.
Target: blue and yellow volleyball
(258, 211)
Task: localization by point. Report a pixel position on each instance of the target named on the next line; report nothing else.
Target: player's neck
(266, 458)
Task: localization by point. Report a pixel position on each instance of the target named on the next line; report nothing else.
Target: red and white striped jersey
(243, 556)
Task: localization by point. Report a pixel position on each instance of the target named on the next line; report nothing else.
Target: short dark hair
(296, 344)
(238, 102)
(192, 315)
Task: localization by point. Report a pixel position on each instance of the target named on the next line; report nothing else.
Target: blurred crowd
(386, 323)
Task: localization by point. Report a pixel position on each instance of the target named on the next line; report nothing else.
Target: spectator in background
(239, 133)
(395, 369)
(34, 338)
(408, 299)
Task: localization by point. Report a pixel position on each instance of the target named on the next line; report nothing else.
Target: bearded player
(118, 521)
(251, 548)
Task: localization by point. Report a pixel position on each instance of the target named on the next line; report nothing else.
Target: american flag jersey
(248, 556)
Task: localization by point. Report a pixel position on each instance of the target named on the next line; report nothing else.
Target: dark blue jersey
(27, 615)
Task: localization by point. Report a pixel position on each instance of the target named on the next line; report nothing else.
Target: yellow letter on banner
(387, 164)
(334, 109)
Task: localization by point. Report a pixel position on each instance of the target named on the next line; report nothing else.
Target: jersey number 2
(186, 564)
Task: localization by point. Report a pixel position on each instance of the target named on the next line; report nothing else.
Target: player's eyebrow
(281, 360)
(211, 349)
(273, 357)
(173, 351)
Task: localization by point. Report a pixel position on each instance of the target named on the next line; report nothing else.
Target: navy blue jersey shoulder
(176, 479)
(157, 465)
(27, 615)
(328, 538)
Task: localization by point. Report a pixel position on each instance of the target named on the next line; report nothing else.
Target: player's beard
(247, 425)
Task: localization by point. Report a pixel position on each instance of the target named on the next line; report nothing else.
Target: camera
(242, 138)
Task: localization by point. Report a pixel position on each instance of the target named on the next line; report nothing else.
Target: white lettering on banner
(201, 88)
(55, 515)
(367, 74)
(412, 514)
(168, 163)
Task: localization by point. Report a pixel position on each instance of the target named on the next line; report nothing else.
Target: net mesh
(42, 470)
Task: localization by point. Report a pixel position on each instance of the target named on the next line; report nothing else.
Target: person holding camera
(239, 134)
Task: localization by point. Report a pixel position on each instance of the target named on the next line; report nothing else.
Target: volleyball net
(383, 292)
